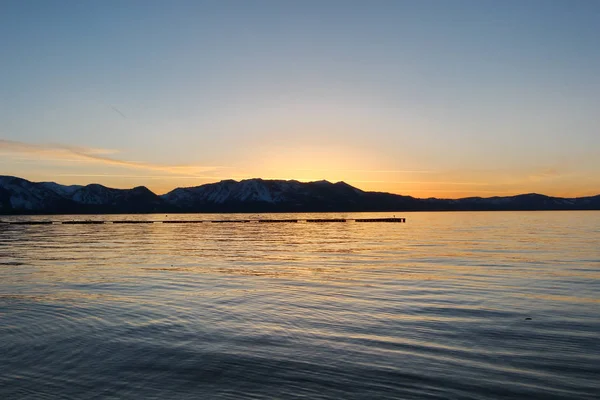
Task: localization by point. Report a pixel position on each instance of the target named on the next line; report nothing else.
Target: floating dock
(80, 222)
(30, 223)
(277, 220)
(174, 221)
(220, 221)
(380, 220)
(326, 220)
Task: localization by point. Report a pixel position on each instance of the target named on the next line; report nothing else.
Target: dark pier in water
(221, 221)
(81, 222)
(30, 223)
(129, 221)
(380, 220)
(174, 221)
(277, 220)
(230, 221)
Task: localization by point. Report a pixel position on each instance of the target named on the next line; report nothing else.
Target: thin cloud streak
(390, 171)
(432, 182)
(115, 109)
(94, 155)
(142, 176)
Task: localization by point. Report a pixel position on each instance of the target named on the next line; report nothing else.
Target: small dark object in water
(528, 319)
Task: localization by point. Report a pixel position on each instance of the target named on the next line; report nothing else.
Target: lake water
(436, 308)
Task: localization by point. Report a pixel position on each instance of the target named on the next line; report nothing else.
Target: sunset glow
(429, 99)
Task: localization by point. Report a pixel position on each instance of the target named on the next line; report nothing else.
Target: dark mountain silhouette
(258, 195)
(20, 196)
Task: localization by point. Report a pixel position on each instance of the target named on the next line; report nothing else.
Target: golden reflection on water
(444, 295)
(500, 253)
(502, 250)
(415, 251)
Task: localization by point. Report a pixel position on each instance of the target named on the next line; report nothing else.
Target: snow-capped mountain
(61, 190)
(260, 193)
(20, 196)
(230, 190)
(95, 194)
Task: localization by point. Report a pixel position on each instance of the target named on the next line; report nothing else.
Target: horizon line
(296, 180)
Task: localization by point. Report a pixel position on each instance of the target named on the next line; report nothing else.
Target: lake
(469, 305)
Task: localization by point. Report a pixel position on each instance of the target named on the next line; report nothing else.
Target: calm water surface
(432, 309)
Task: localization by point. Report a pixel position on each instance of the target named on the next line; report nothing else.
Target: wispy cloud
(58, 152)
(135, 176)
(544, 174)
(385, 171)
(430, 182)
(115, 109)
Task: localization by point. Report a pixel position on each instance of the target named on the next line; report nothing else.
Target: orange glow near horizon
(408, 187)
(358, 167)
(401, 97)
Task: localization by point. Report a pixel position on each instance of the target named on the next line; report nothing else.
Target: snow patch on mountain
(93, 194)
(62, 190)
(27, 195)
(228, 191)
(255, 195)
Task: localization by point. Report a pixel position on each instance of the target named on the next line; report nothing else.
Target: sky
(424, 98)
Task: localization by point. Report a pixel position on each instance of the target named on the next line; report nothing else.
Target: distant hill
(20, 196)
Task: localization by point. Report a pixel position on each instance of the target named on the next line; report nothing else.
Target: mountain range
(20, 196)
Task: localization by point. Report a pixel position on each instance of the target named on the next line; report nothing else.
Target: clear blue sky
(427, 98)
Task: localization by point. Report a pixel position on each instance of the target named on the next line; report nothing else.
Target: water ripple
(446, 306)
